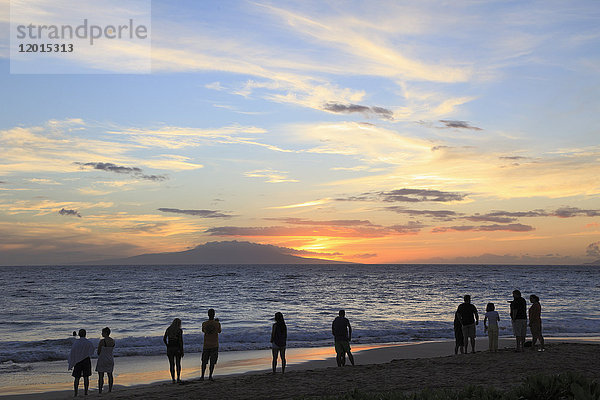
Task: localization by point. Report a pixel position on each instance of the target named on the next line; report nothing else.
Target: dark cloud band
(408, 195)
(119, 169)
(459, 124)
(66, 212)
(197, 213)
(357, 108)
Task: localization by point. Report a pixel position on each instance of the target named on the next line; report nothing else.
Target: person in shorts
(210, 349)
(469, 318)
(80, 361)
(342, 333)
(518, 314)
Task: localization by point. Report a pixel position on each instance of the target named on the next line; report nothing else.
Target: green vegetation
(566, 386)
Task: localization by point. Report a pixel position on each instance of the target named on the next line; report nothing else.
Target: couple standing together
(173, 339)
(81, 363)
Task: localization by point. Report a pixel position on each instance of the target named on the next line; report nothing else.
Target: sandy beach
(399, 367)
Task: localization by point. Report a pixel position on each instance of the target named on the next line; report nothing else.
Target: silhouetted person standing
(106, 361)
(490, 322)
(80, 362)
(210, 349)
(469, 318)
(173, 339)
(342, 333)
(278, 341)
(535, 322)
(459, 339)
(518, 314)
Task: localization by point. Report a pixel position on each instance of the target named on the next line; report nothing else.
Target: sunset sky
(375, 132)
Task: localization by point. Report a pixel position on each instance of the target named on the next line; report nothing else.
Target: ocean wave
(255, 338)
(8, 367)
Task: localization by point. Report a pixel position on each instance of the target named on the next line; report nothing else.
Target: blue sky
(373, 132)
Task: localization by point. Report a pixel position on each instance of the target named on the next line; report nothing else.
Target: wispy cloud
(177, 137)
(407, 195)
(46, 207)
(437, 214)
(485, 228)
(284, 231)
(305, 204)
(44, 181)
(337, 222)
(56, 146)
(368, 143)
(270, 175)
(569, 212)
(412, 227)
(197, 213)
(316, 230)
(339, 46)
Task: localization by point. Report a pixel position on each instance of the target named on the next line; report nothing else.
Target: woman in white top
(490, 324)
(106, 362)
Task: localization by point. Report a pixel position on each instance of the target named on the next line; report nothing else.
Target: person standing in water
(210, 349)
(106, 361)
(278, 341)
(80, 361)
(342, 332)
(173, 339)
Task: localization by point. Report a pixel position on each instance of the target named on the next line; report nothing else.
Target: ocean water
(40, 307)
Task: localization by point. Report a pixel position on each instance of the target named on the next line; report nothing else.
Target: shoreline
(147, 372)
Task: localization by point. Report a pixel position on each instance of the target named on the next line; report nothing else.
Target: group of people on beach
(82, 349)
(466, 318)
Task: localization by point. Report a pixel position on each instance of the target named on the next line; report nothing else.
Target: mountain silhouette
(228, 252)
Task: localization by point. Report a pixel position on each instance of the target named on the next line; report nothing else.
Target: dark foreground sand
(502, 370)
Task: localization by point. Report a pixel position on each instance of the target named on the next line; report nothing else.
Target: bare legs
(472, 344)
(520, 343)
(101, 381)
(341, 358)
(86, 385)
(457, 347)
(350, 357)
(174, 360)
(534, 341)
(281, 352)
(211, 368)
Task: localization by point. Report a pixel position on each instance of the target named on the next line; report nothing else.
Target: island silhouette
(225, 252)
